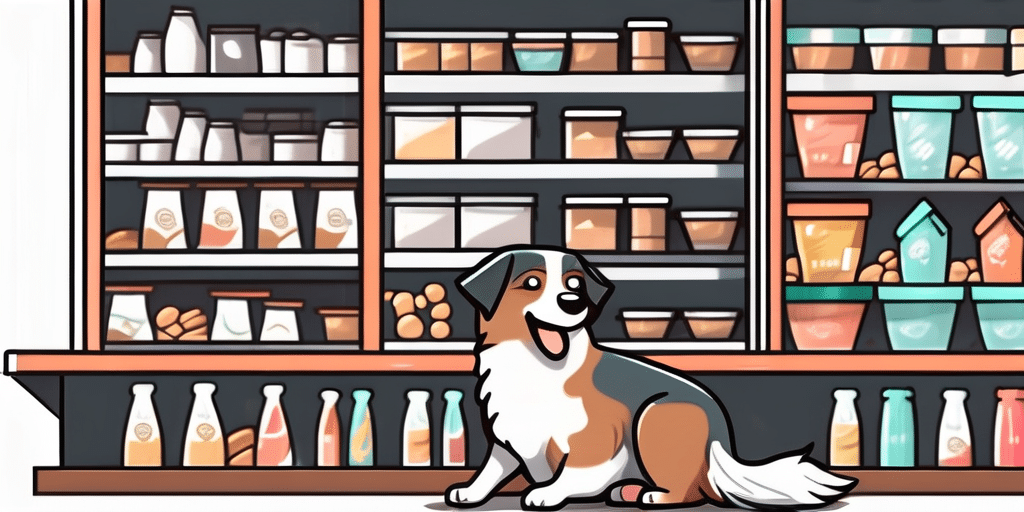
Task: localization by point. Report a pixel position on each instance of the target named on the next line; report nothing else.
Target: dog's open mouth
(552, 340)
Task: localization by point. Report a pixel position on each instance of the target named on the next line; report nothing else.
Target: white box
(423, 222)
(489, 222)
(497, 132)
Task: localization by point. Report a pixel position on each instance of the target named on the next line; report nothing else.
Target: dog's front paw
(464, 496)
(541, 498)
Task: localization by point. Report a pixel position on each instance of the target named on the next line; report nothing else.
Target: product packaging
(143, 445)
(844, 433)
(454, 442)
(416, 431)
(955, 431)
(204, 436)
(273, 447)
(328, 439)
(360, 438)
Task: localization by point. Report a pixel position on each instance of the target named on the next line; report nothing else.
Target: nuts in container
(425, 313)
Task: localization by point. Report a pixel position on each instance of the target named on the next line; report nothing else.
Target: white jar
(231, 321)
(340, 142)
(343, 54)
(162, 117)
(148, 56)
(221, 142)
(272, 52)
(291, 147)
(189, 147)
(303, 53)
(280, 321)
(184, 50)
(497, 132)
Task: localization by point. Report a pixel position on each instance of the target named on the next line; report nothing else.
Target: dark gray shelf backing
(226, 274)
(900, 12)
(770, 414)
(123, 19)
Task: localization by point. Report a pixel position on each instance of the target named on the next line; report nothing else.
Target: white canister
(497, 132)
(340, 142)
(423, 222)
(233, 49)
(231, 321)
(489, 222)
(148, 56)
(296, 147)
(156, 150)
(189, 146)
(184, 50)
(162, 118)
(222, 221)
(122, 147)
(280, 321)
(278, 226)
(343, 54)
(272, 52)
(423, 132)
(129, 318)
(303, 53)
(336, 223)
(221, 142)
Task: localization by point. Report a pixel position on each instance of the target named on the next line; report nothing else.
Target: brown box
(648, 222)
(118, 63)
(487, 56)
(341, 324)
(590, 225)
(649, 43)
(418, 56)
(454, 56)
(592, 134)
(594, 52)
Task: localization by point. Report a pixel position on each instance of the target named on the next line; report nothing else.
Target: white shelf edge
(243, 170)
(568, 83)
(248, 260)
(918, 82)
(565, 171)
(675, 346)
(429, 346)
(212, 84)
(12, 363)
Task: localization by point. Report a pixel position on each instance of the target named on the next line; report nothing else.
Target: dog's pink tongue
(552, 340)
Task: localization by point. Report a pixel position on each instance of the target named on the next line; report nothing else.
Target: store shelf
(231, 170)
(570, 83)
(467, 259)
(848, 186)
(562, 171)
(913, 82)
(159, 481)
(233, 260)
(448, 346)
(212, 84)
(224, 347)
(654, 347)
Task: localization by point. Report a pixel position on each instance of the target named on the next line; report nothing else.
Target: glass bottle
(274, 446)
(896, 442)
(360, 439)
(416, 431)
(184, 50)
(955, 431)
(204, 437)
(1009, 452)
(454, 442)
(142, 443)
(328, 442)
(844, 435)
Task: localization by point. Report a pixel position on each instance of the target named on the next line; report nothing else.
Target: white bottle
(328, 442)
(204, 437)
(189, 146)
(416, 432)
(184, 50)
(955, 431)
(142, 440)
(844, 437)
(273, 448)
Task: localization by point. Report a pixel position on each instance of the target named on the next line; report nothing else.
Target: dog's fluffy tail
(792, 481)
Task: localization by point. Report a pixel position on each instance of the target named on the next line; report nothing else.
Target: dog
(586, 424)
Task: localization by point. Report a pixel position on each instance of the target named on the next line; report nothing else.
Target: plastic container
(129, 315)
(183, 48)
(897, 440)
(591, 223)
(923, 128)
(143, 444)
(826, 317)
(647, 219)
(924, 245)
(328, 438)
(497, 132)
(710, 53)
(1001, 133)
(274, 445)
(189, 146)
(709, 230)
(844, 432)
(1008, 447)
(204, 436)
(1000, 312)
(594, 52)
(340, 142)
(973, 49)
(823, 49)
(712, 144)
(416, 430)
(416, 51)
(830, 133)
(272, 52)
(278, 223)
(900, 48)
(1017, 49)
(646, 324)
(453, 451)
(920, 317)
(649, 144)
(423, 221)
(147, 57)
(156, 150)
(496, 221)
(340, 324)
(336, 218)
(280, 321)
(539, 52)
(424, 132)
(829, 239)
(592, 134)
(221, 142)
(295, 147)
(123, 147)
(303, 53)
(162, 118)
(1000, 245)
(955, 443)
(649, 48)
(711, 325)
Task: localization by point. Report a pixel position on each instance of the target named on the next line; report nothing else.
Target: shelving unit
(231, 171)
(576, 84)
(252, 84)
(561, 171)
(257, 260)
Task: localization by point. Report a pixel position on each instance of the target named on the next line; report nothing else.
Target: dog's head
(538, 293)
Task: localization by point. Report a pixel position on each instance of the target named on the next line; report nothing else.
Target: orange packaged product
(1000, 245)
(829, 239)
(829, 133)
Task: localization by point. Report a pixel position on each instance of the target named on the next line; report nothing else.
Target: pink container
(829, 133)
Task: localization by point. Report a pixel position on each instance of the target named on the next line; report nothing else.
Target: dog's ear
(484, 284)
(599, 288)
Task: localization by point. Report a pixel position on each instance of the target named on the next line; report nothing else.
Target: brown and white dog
(585, 424)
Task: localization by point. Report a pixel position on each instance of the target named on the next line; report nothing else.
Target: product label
(165, 218)
(336, 217)
(921, 251)
(143, 431)
(223, 218)
(205, 431)
(279, 219)
(997, 250)
(956, 445)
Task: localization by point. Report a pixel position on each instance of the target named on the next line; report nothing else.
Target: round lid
(648, 134)
(711, 133)
(847, 394)
(897, 393)
(541, 35)
(916, 102)
(453, 395)
(708, 39)
(898, 35)
(646, 315)
(972, 36)
(830, 293)
(273, 389)
(640, 24)
(708, 215)
(955, 394)
(595, 36)
(143, 388)
(418, 395)
(204, 387)
(710, 315)
(998, 102)
(813, 35)
(910, 293)
(990, 293)
(815, 210)
(330, 395)
(1010, 394)
(831, 103)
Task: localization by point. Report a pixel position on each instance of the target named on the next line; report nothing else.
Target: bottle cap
(453, 395)
(897, 393)
(273, 389)
(143, 388)
(330, 395)
(204, 387)
(1010, 394)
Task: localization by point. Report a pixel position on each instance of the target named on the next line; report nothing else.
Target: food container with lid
(923, 128)
(423, 132)
(594, 52)
(711, 325)
(189, 146)
(340, 142)
(924, 245)
(1000, 235)
(829, 133)
(646, 324)
(539, 51)
(423, 221)
(296, 147)
(1017, 49)
(129, 316)
(156, 150)
(122, 147)
(717, 144)
(280, 320)
(303, 53)
(221, 142)
(823, 48)
(829, 238)
(340, 324)
(590, 222)
(497, 132)
(1001, 133)
(649, 44)
(162, 118)
(710, 53)
(1000, 311)
(343, 54)
(900, 48)
(233, 49)
(147, 57)
(272, 52)
(648, 219)
(496, 221)
(592, 134)
(973, 49)
(709, 230)
(826, 317)
(231, 317)
(649, 144)
(920, 317)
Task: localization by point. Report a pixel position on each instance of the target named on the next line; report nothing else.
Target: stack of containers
(899, 49)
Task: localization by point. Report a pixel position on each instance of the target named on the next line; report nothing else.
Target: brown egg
(891, 276)
(440, 330)
(793, 266)
(441, 311)
(886, 256)
(403, 303)
(866, 165)
(790, 278)
(421, 302)
(872, 174)
(958, 272)
(435, 292)
(975, 277)
(977, 163)
(889, 173)
(388, 295)
(888, 159)
(957, 162)
(871, 273)
(410, 327)
(969, 173)
(167, 316)
(972, 263)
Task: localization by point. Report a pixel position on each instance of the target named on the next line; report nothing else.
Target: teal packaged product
(924, 245)
(539, 52)
(1001, 316)
(923, 126)
(454, 447)
(1001, 132)
(897, 444)
(360, 438)
(920, 317)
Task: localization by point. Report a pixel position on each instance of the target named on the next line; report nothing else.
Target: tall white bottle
(184, 49)
(416, 431)
(204, 437)
(142, 441)
(955, 431)
(844, 437)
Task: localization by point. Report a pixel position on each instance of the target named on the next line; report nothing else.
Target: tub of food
(648, 144)
(495, 221)
(594, 52)
(647, 223)
(591, 222)
(1001, 132)
(1000, 312)
(497, 132)
(829, 238)
(823, 49)
(649, 44)
(924, 245)
(592, 134)
(920, 317)
(539, 52)
(900, 48)
(973, 49)
(923, 128)
(423, 132)
(646, 324)
(340, 324)
(829, 133)
(717, 144)
(711, 325)
(423, 221)
(416, 51)
(710, 230)
(826, 317)
(710, 53)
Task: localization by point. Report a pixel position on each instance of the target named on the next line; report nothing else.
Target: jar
(340, 324)
(1008, 448)
(340, 142)
(649, 144)
(343, 54)
(280, 321)
(710, 230)
(221, 142)
(829, 239)
(650, 44)
(823, 48)
(648, 216)
(231, 319)
(278, 225)
(129, 316)
(591, 223)
(897, 446)
(184, 50)
(189, 145)
(147, 56)
(829, 133)
(539, 51)
(1001, 133)
(422, 222)
(955, 431)
(900, 49)
(122, 147)
(844, 433)
(973, 49)
(295, 147)
(592, 134)
(416, 51)
(496, 221)
(162, 117)
(272, 52)
(716, 144)
(233, 49)
(923, 128)
(303, 53)
(710, 53)
(222, 219)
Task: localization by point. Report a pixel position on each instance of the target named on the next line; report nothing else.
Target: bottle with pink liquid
(273, 448)
(1009, 452)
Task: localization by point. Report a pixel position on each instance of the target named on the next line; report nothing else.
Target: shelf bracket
(45, 388)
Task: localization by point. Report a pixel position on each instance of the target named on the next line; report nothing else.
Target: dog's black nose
(571, 303)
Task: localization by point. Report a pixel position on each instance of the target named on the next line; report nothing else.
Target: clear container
(920, 317)
(340, 142)
(280, 321)
(189, 146)
(955, 431)
(343, 54)
(591, 223)
(204, 436)
(423, 132)
(328, 439)
(453, 451)
(1000, 312)
(923, 127)
(272, 52)
(1008, 448)
(900, 48)
(844, 433)
(423, 222)
(592, 134)
(222, 221)
(497, 132)
(336, 221)
(1001, 132)
(303, 53)
(830, 133)
(496, 221)
(829, 239)
(1000, 244)
(416, 430)
(148, 54)
(826, 317)
(221, 142)
(233, 49)
(162, 118)
(129, 315)
(360, 438)
(710, 53)
(823, 48)
(184, 50)
(163, 226)
(897, 444)
(143, 445)
(279, 225)
(924, 245)
(594, 52)
(542, 52)
(649, 44)
(274, 445)
(973, 49)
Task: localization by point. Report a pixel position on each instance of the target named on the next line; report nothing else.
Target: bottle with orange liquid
(416, 433)
(273, 447)
(360, 440)
(204, 437)
(328, 441)
(955, 431)
(142, 443)
(844, 445)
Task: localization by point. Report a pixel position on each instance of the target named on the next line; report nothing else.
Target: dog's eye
(574, 283)
(532, 283)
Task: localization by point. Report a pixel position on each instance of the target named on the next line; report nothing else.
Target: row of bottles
(207, 445)
(897, 443)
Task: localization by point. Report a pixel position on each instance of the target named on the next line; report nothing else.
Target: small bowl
(710, 53)
(649, 144)
(711, 325)
(540, 52)
(712, 144)
(647, 324)
(341, 324)
(710, 230)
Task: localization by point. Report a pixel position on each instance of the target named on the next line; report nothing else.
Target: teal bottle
(360, 438)
(897, 446)
(454, 430)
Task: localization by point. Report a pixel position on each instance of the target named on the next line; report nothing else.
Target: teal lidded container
(897, 443)
(923, 126)
(924, 245)
(1000, 312)
(1001, 132)
(920, 317)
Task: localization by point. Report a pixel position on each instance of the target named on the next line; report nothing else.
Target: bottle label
(956, 445)
(205, 431)
(143, 431)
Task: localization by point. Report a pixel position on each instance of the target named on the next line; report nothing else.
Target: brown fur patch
(672, 440)
(607, 418)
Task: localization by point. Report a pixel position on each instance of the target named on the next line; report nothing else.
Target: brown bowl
(711, 325)
(649, 144)
(709, 230)
(341, 324)
(712, 144)
(709, 53)
(647, 324)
